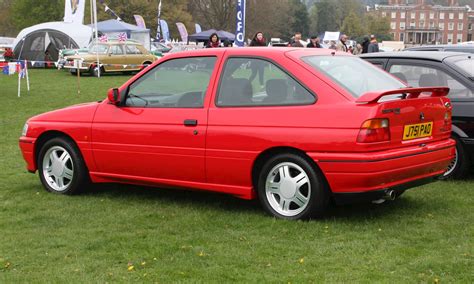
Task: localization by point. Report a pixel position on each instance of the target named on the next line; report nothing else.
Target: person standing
(373, 46)
(296, 40)
(257, 66)
(213, 41)
(341, 45)
(314, 42)
(365, 44)
(258, 40)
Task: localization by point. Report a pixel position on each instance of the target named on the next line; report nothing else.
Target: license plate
(419, 130)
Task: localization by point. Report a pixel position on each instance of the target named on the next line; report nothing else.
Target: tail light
(374, 130)
(447, 122)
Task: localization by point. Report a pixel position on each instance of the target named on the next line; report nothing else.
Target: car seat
(277, 91)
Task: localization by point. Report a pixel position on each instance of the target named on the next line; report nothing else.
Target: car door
(115, 59)
(134, 57)
(159, 130)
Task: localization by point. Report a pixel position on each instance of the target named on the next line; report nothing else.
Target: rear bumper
(378, 171)
(27, 146)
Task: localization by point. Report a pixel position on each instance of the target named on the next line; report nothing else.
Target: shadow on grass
(360, 212)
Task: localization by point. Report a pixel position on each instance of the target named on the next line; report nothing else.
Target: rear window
(354, 74)
(466, 64)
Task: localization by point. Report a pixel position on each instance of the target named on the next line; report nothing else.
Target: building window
(469, 26)
(402, 25)
(450, 38)
(393, 25)
(460, 26)
(450, 26)
(459, 38)
(432, 25)
(422, 24)
(441, 16)
(394, 15)
(441, 26)
(461, 16)
(431, 15)
(451, 16)
(402, 36)
(384, 14)
(402, 15)
(412, 24)
(422, 16)
(413, 15)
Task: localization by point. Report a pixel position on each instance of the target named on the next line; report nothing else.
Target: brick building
(415, 22)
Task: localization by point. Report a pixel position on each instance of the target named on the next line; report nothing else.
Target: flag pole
(158, 28)
(94, 4)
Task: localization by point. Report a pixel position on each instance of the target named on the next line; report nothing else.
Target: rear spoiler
(409, 93)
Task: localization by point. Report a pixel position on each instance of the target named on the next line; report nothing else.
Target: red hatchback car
(315, 126)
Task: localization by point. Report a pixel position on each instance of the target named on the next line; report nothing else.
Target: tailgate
(416, 115)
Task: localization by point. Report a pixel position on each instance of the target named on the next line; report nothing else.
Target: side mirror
(114, 96)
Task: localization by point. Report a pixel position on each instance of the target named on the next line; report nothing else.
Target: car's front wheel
(290, 188)
(460, 165)
(61, 167)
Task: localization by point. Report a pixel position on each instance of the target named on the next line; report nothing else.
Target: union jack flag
(103, 38)
(122, 37)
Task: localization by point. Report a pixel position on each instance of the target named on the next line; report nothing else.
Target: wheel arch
(48, 135)
(265, 155)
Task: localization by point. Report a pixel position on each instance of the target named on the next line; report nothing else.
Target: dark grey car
(443, 47)
(438, 68)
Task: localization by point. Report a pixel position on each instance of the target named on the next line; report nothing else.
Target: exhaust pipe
(390, 195)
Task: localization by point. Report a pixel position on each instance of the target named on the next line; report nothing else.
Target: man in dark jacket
(314, 42)
(365, 44)
(373, 46)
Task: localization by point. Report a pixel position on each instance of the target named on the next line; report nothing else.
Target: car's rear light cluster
(447, 122)
(374, 130)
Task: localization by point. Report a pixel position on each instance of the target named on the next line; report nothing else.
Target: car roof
(261, 51)
(440, 46)
(425, 55)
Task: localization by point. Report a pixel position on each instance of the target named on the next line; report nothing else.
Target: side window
(423, 76)
(116, 50)
(132, 49)
(257, 82)
(176, 83)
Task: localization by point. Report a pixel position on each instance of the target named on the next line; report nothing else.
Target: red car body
(224, 150)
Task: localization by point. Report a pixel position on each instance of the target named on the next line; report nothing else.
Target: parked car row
(316, 132)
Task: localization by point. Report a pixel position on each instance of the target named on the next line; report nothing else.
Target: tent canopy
(43, 41)
(114, 27)
(204, 36)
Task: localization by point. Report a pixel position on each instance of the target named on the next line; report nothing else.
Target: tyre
(61, 167)
(290, 188)
(73, 73)
(461, 163)
(95, 71)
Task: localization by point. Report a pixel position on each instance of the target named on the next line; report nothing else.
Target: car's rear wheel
(61, 167)
(96, 69)
(73, 72)
(460, 165)
(290, 188)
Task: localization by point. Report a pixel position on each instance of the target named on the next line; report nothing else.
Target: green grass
(187, 236)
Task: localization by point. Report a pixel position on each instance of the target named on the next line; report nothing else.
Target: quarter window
(423, 76)
(132, 49)
(116, 50)
(257, 82)
(176, 83)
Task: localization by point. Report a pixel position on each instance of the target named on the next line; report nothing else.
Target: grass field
(117, 233)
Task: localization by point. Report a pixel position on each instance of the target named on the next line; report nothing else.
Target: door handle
(190, 122)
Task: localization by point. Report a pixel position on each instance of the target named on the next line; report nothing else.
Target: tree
(328, 16)
(352, 26)
(25, 13)
(299, 18)
(7, 28)
(379, 26)
(215, 14)
(273, 22)
(313, 22)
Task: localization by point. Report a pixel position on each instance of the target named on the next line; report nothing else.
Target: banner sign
(240, 29)
(140, 21)
(74, 11)
(165, 30)
(331, 36)
(182, 31)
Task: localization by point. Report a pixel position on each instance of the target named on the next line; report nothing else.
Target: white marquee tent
(43, 41)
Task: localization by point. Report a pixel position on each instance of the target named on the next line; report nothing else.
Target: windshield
(466, 64)
(100, 48)
(354, 74)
